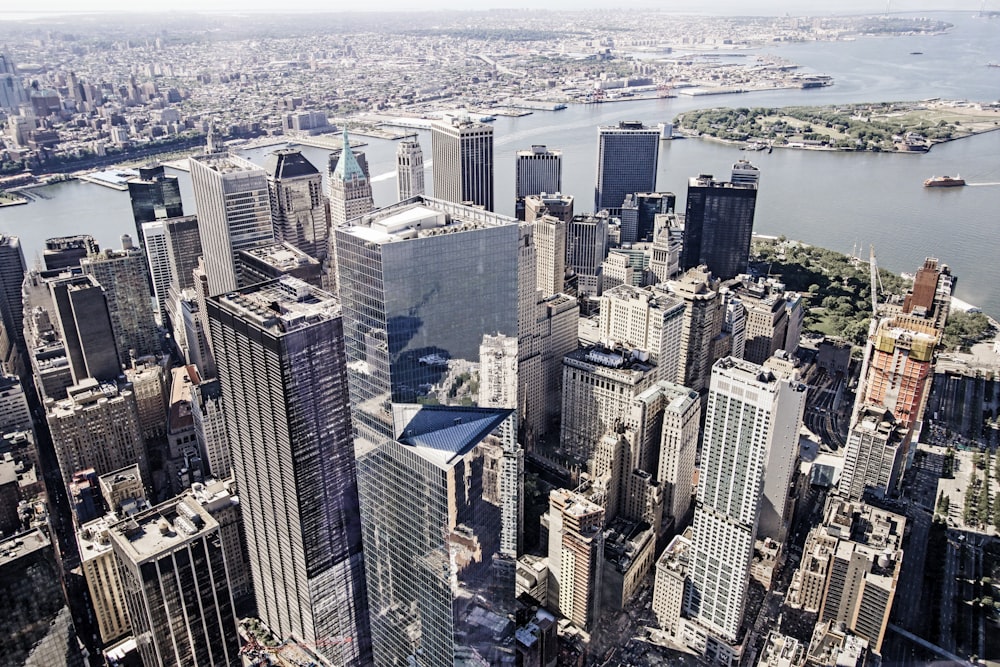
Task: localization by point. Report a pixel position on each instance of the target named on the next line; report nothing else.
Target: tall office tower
(290, 436)
(586, 248)
(104, 583)
(422, 282)
(627, 157)
(299, 210)
(537, 171)
(36, 627)
(63, 252)
(350, 187)
(718, 226)
(639, 213)
(210, 425)
(639, 318)
(557, 328)
(733, 341)
(463, 162)
(155, 196)
(575, 552)
(702, 323)
(97, 427)
(550, 255)
(678, 447)
(553, 204)
(123, 275)
(201, 288)
(599, 386)
(670, 583)
(434, 519)
(12, 270)
(234, 212)
(409, 169)
(81, 307)
(192, 336)
(149, 385)
(875, 454)
(750, 406)
(897, 368)
(183, 250)
(176, 585)
(158, 260)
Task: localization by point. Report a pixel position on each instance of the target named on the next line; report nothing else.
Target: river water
(840, 201)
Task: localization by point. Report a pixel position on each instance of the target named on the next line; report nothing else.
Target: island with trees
(905, 127)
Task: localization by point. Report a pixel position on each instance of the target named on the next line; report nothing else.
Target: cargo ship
(944, 182)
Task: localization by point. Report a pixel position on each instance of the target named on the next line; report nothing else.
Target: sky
(745, 7)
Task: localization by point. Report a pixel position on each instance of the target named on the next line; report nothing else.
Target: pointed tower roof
(347, 166)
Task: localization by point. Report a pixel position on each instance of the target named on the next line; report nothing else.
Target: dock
(116, 179)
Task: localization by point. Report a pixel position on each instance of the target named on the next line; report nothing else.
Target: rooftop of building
(627, 126)
(87, 392)
(656, 298)
(421, 217)
(282, 305)
(288, 163)
(93, 538)
(21, 545)
(443, 434)
(624, 540)
(678, 396)
(214, 494)
(781, 651)
(224, 163)
(708, 181)
(550, 198)
(282, 256)
(179, 410)
(676, 555)
(123, 476)
(348, 167)
(148, 534)
(626, 365)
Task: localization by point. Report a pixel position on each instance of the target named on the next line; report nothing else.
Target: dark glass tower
(279, 346)
(155, 196)
(627, 156)
(718, 226)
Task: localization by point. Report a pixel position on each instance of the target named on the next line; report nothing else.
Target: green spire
(347, 166)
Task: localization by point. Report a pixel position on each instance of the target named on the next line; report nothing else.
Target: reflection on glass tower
(422, 283)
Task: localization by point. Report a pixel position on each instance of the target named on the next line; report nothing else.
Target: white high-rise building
(463, 162)
(234, 212)
(748, 412)
(157, 255)
(645, 319)
(409, 169)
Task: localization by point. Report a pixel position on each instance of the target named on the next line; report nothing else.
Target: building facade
(627, 158)
(409, 169)
(299, 210)
(718, 226)
(290, 436)
(463, 162)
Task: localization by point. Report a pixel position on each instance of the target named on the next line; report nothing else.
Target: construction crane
(876, 281)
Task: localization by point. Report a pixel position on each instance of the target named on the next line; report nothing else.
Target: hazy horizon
(723, 7)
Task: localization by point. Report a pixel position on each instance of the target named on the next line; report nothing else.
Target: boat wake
(977, 184)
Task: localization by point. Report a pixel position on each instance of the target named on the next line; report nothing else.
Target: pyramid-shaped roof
(288, 163)
(443, 434)
(347, 166)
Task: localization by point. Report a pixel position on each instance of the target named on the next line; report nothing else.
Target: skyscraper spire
(348, 167)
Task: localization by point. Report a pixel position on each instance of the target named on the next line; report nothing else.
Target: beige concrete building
(575, 552)
(100, 571)
(702, 324)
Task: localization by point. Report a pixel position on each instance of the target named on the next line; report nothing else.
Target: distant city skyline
(726, 7)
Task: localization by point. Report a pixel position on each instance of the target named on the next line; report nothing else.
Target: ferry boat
(944, 182)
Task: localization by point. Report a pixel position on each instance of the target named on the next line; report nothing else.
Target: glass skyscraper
(718, 225)
(155, 196)
(279, 346)
(627, 156)
(422, 283)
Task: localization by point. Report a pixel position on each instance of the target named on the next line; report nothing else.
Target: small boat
(916, 53)
(944, 182)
